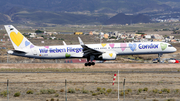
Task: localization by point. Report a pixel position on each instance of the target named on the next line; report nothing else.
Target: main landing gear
(90, 63)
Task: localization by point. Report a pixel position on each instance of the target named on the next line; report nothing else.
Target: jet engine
(109, 56)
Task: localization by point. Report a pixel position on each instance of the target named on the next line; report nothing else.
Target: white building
(148, 36)
(32, 35)
(157, 36)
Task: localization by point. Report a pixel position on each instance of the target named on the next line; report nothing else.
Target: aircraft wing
(88, 51)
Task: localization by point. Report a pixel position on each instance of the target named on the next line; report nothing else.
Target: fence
(91, 85)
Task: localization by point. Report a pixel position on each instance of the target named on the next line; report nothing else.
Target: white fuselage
(76, 51)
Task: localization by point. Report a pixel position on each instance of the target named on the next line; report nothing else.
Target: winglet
(64, 43)
(80, 41)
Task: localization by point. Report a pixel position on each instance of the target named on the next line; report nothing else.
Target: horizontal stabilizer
(64, 43)
(17, 51)
(21, 50)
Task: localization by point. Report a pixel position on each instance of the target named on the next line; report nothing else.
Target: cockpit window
(170, 46)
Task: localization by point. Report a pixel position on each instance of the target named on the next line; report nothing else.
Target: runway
(121, 72)
(124, 68)
(81, 66)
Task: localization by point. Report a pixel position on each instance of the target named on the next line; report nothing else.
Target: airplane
(103, 51)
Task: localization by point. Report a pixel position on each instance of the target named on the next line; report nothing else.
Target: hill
(43, 18)
(121, 18)
(38, 17)
(4, 18)
(98, 6)
(44, 12)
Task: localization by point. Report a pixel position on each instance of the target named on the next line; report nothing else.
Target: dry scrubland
(144, 82)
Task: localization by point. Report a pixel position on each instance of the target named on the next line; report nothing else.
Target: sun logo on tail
(16, 38)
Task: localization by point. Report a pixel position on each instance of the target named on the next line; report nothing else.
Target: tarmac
(80, 65)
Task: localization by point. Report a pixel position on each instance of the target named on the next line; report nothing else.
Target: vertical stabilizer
(17, 39)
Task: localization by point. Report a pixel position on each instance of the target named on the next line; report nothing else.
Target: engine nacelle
(109, 56)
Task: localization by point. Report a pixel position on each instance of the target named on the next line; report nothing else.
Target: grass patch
(145, 89)
(109, 91)
(94, 94)
(4, 93)
(176, 90)
(98, 88)
(47, 91)
(62, 90)
(29, 92)
(77, 89)
(52, 99)
(165, 90)
(155, 90)
(56, 95)
(71, 90)
(102, 91)
(42, 70)
(170, 100)
(160, 92)
(121, 93)
(155, 100)
(85, 91)
(129, 90)
(140, 90)
(17, 94)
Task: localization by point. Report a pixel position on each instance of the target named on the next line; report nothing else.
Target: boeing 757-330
(103, 51)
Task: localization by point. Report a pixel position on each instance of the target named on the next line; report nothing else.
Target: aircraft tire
(93, 63)
(89, 64)
(86, 64)
(158, 60)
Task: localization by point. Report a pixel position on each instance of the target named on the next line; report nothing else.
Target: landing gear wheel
(158, 61)
(86, 64)
(93, 63)
(89, 64)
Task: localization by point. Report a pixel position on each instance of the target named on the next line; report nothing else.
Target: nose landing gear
(159, 57)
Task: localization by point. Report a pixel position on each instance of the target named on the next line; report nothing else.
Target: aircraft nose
(174, 49)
